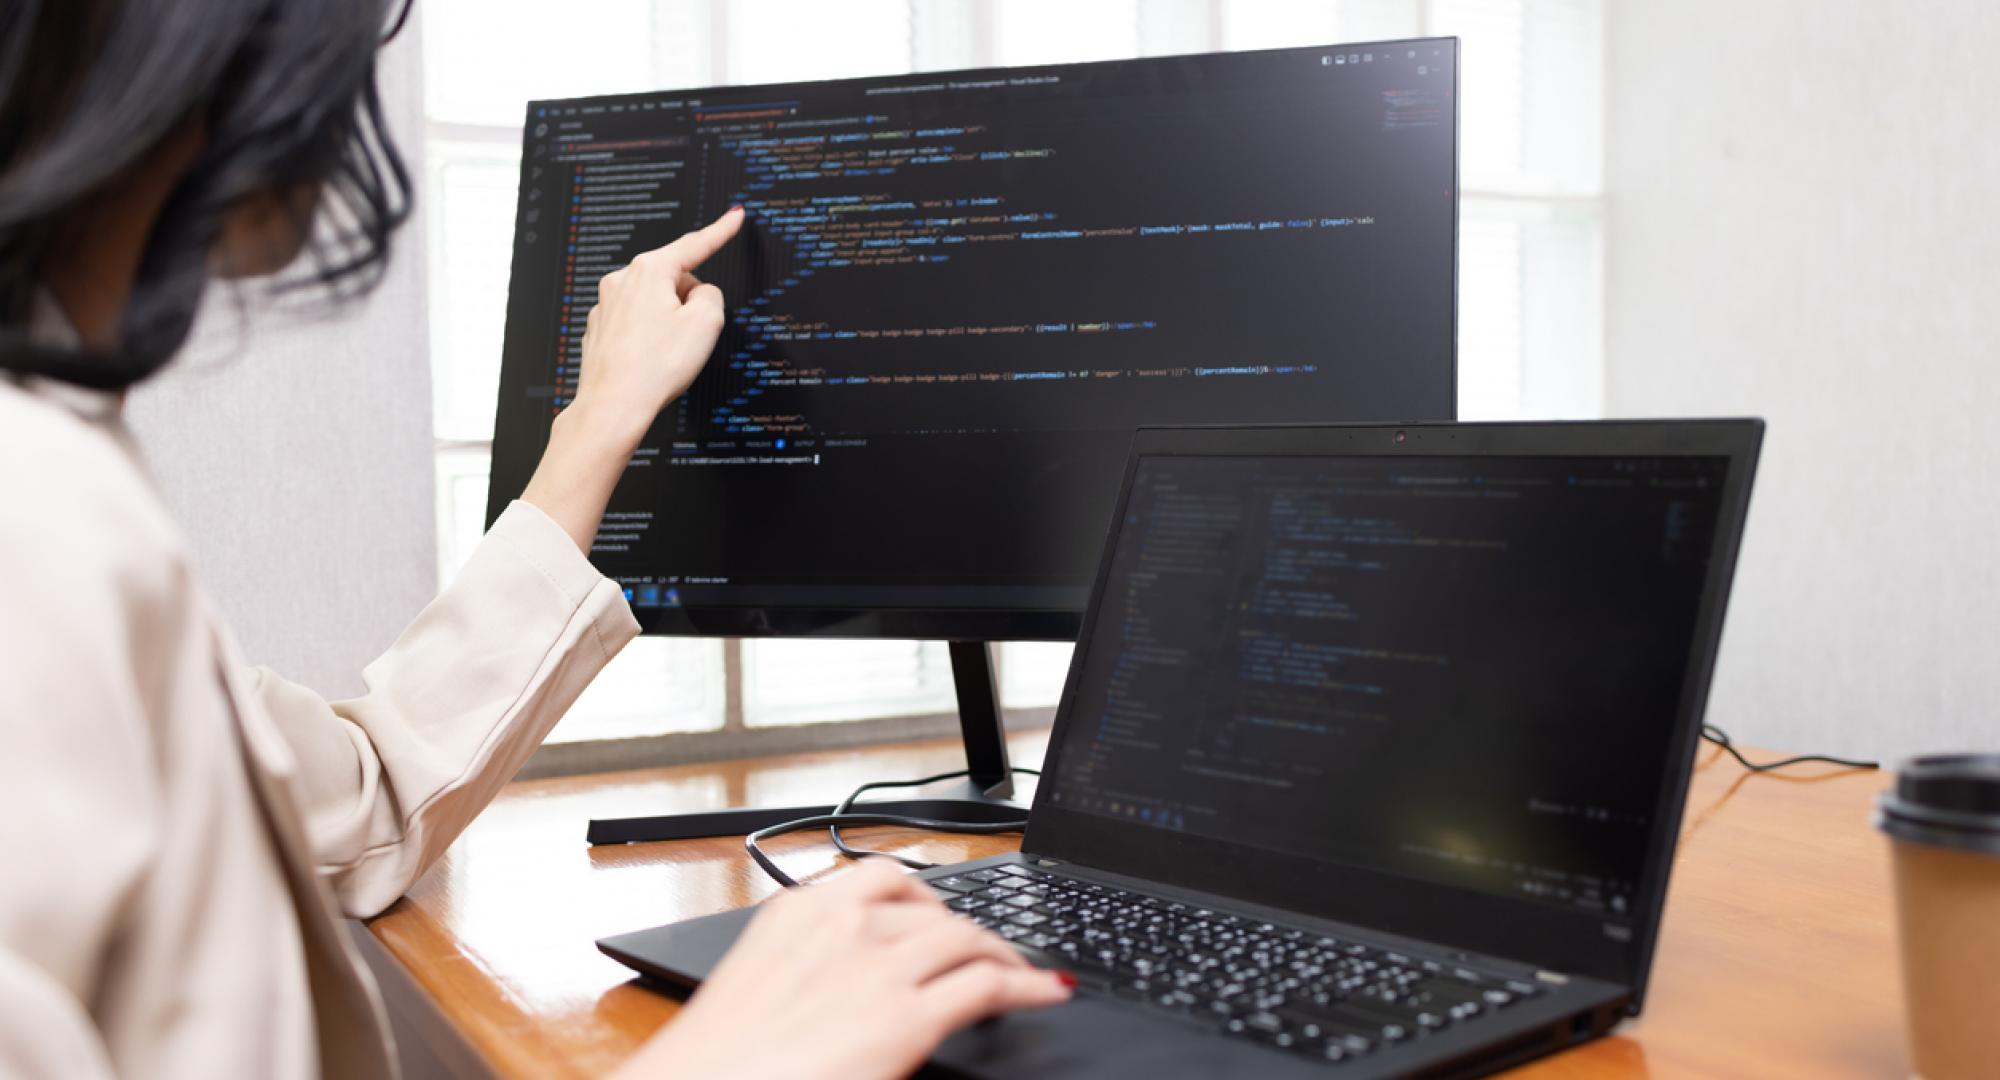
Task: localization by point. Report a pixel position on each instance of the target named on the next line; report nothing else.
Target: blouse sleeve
(451, 711)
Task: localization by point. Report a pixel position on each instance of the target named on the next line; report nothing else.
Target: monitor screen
(957, 295)
(1460, 670)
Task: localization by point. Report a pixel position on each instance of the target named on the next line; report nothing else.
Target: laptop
(1371, 757)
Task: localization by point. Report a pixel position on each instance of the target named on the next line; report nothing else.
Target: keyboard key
(1390, 1014)
(1341, 1019)
(1134, 989)
(1460, 999)
(953, 884)
(1264, 1021)
(1324, 1032)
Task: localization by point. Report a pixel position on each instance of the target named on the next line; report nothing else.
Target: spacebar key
(1389, 1015)
(1356, 1036)
(1344, 1019)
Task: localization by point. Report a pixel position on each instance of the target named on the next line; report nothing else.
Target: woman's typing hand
(857, 978)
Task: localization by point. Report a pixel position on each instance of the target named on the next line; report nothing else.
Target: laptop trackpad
(1096, 1038)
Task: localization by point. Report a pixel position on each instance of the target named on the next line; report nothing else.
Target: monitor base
(962, 803)
(984, 797)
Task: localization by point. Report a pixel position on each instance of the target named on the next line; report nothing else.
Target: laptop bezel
(1481, 922)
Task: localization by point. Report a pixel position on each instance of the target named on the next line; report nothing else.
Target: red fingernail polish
(735, 208)
(1066, 979)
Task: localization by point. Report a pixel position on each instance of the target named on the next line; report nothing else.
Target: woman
(179, 831)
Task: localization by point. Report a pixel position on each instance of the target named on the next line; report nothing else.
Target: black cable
(844, 814)
(751, 841)
(1721, 738)
(847, 804)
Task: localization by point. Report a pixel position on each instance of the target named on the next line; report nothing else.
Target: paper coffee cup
(1944, 820)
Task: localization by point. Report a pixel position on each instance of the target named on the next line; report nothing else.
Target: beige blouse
(179, 831)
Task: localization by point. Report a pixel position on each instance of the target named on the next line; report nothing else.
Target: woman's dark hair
(285, 92)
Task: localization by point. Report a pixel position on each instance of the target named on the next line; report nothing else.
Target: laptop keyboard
(1296, 990)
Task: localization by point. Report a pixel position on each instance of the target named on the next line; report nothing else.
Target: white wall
(1804, 223)
(295, 450)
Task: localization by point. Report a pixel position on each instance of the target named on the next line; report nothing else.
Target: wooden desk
(1777, 957)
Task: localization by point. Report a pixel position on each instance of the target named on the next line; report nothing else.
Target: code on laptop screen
(1462, 670)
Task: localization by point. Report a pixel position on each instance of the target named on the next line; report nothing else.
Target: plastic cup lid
(1949, 800)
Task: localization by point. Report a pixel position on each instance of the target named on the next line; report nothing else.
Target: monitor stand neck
(979, 718)
(983, 797)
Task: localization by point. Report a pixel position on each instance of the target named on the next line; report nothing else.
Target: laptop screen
(1463, 670)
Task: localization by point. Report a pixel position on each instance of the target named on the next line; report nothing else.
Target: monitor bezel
(945, 622)
(1555, 939)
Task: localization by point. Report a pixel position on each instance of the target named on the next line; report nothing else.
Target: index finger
(695, 248)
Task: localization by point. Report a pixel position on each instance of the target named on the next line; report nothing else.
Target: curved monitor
(957, 295)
